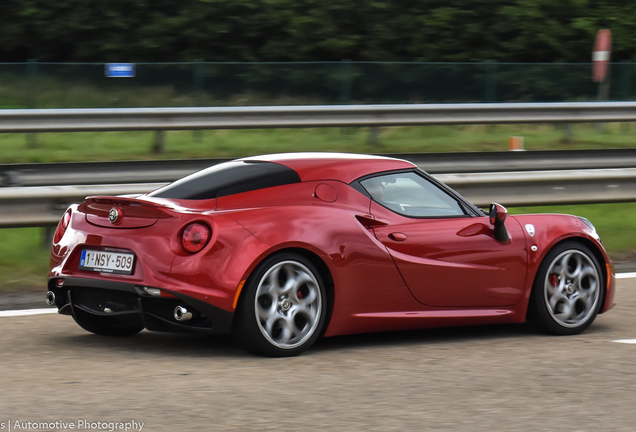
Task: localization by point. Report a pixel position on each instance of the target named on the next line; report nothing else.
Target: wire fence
(85, 85)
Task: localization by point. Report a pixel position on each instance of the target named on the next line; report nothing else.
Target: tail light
(62, 226)
(195, 237)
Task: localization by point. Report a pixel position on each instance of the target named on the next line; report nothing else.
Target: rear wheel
(567, 291)
(283, 307)
(105, 325)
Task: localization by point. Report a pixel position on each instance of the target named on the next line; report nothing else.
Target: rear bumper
(130, 304)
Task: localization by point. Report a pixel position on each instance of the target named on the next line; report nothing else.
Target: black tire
(105, 326)
(283, 307)
(567, 291)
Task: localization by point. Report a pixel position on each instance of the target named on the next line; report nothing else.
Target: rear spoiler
(101, 206)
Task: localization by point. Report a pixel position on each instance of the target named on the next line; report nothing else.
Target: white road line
(627, 341)
(26, 312)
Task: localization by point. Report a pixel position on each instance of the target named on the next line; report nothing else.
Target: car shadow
(179, 345)
(150, 343)
(426, 336)
(446, 335)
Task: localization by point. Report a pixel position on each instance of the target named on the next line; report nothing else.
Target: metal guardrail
(546, 187)
(121, 119)
(90, 173)
(44, 205)
(154, 171)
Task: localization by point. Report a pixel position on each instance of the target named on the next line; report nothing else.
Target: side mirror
(498, 214)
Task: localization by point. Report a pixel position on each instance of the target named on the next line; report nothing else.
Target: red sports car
(279, 250)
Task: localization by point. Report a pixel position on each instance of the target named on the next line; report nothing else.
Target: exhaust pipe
(50, 298)
(182, 314)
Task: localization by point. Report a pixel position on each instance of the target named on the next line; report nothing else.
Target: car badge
(113, 215)
(530, 229)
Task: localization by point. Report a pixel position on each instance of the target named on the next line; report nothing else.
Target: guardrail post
(160, 142)
(374, 136)
(569, 133)
(47, 236)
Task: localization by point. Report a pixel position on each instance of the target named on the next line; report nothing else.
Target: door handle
(398, 236)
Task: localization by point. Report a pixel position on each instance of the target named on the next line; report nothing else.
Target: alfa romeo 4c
(280, 250)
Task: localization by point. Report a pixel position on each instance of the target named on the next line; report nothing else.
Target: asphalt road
(495, 378)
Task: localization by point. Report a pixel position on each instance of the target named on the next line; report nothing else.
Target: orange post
(515, 143)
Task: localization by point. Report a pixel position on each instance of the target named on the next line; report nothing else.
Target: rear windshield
(227, 179)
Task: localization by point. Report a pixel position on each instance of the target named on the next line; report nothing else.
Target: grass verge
(24, 259)
(105, 146)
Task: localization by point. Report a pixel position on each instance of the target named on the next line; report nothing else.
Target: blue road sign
(120, 70)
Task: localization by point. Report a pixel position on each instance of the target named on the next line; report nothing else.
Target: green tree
(311, 30)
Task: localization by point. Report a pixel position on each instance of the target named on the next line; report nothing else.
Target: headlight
(588, 223)
(590, 226)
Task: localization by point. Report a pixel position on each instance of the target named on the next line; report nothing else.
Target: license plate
(107, 262)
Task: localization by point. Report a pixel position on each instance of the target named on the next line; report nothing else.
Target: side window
(410, 194)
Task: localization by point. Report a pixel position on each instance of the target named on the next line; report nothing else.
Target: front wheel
(567, 291)
(283, 307)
